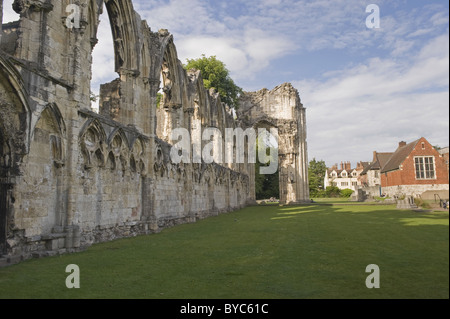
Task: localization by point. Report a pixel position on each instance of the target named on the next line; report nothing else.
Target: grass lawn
(312, 251)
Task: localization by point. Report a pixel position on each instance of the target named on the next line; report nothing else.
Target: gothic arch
(200, 97)
(120, 136)
(92, 143)
(15, 113)
(119, 147)
(125, 34)
(145, 60)
(169, 71)
(94, 10)
(169, 67)
(52, 122)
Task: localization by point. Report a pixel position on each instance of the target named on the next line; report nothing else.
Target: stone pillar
(1, 20)
(251, 199)
(302, 159)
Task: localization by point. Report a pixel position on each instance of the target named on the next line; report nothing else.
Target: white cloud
(103, 68)
(9, 15)
(376, 104)
(225, 49)
(395, 86)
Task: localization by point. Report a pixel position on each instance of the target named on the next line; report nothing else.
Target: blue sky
(364, 89)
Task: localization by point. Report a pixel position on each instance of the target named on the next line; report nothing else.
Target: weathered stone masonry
(71, 177)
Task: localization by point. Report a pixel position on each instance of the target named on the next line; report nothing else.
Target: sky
(364, 89)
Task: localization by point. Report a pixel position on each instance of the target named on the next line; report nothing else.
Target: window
(424, 166)
(354, 183)
(344, 183)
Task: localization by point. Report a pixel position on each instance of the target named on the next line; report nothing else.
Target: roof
(398, 157)
(381, 160)
(364, 165)
(368, 168)
(339, 171)
(443, 150)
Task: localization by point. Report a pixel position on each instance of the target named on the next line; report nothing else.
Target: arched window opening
(8, 13)
(103, 66)
(9, 29)
(267, 186)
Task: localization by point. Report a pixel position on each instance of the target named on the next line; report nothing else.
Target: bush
(333, 191)
(346, 193)
(318, 194)
(421, 203)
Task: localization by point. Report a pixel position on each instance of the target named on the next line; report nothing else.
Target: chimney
(335, 167)
(401, 144)
(348, 166)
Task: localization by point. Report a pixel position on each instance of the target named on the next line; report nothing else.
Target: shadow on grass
(317, 251)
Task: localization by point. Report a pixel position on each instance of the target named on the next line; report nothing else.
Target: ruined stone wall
(71, 177)
(281, 108)
(1, 19)
(412, 190)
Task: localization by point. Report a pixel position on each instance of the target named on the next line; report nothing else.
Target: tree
(267, 185)
(316, 175)
(216, 75)
(332, 191)
(159, 98)
(93, 97)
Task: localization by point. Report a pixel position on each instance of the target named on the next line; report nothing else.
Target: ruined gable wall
(281, 108)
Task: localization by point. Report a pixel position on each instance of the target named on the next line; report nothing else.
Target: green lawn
(312, 251)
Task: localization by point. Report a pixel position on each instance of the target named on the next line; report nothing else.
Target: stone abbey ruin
(71, 177)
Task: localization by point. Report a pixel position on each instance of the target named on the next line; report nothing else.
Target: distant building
(346, 177)
(371, 175)
(444, 154)
(414, 169)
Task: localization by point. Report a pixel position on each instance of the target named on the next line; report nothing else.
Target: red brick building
(413, 169)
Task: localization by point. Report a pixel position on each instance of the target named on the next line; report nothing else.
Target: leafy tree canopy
(316, 175)
(216, 75)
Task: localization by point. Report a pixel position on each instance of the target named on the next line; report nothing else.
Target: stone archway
(124, 30)
(282, 108)
(169, 112)
(14, 140)
(273, 179)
